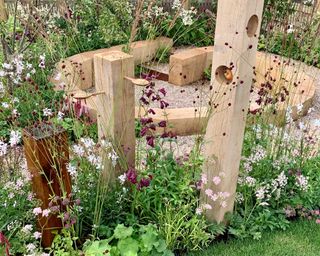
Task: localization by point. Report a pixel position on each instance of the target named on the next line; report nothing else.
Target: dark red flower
(150, 141)
(163, 104)
(163, 91)
(132, 175)
(162, 124)
(145, 121)
(144, 131)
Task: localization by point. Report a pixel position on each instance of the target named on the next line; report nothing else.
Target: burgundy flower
(144, 131)
(132, 175)
(150, 141)
(145, 121)
(163, 104)
(151, 111)
(163, 91)
(152, 127)
(144, 182)
(144, 101)
(162, 124)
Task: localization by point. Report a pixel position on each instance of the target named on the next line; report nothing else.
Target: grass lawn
(301, 239)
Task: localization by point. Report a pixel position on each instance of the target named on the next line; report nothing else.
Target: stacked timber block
(188, 66)
(77, 71)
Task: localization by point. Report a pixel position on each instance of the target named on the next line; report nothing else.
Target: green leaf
(128, 247)
(98, 248)
(122, 232)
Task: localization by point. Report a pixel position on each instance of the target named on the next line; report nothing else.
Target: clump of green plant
(129, 241)
(163, 54)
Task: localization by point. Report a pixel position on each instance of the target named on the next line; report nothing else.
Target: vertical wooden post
(234, 57)
(47, 155)
(115, 108)
(3, 12)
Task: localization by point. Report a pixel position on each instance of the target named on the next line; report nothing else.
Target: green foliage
(171, 201)
(62, 244)
(129, 241)
(163, 55)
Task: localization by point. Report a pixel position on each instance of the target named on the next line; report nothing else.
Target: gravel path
(196, 95)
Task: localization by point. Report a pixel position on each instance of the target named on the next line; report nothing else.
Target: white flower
(46, 212)
(207, 206)
(47, 112)
(122, 178)
(300, 108)
(37, 235)
(302, 182)
(60, 116)
(37, 211)
(290, 30)
(114, 157)
(15, 112)
(72, 170)
(223, 204)
(208, 192)
(88, 143)
(282, 180)
(260, 193)
(106, 144)
(31, 247)
(27, 229)
(57, 77)
(5, 105)
(15, 137)
(204, 179)
(216, 180)
(250, 181)
(7, 66)
(3, 148)
(289, 115)
(199, 211)
(78, 150)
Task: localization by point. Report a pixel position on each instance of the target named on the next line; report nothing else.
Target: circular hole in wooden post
(252, 25)
(224, 74)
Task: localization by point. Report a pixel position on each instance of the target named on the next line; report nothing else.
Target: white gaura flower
(37, 235)
(47, 112)
(216, 180)
(15, 137)
(199, 211)
(88, 143)
(122, 178)
(5, 105)
(31, 248)
(27, 229)
(78, 150)
(58, 77)
(302, 182)
(114, 157)
(72, 170)
(46, 212)
(3, 148)
(60, 116)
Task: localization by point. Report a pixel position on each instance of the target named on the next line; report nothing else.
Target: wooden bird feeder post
(47, 153)
(116, 108)
(234, 56)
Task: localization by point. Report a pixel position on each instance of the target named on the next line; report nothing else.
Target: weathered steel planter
(46, 150)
